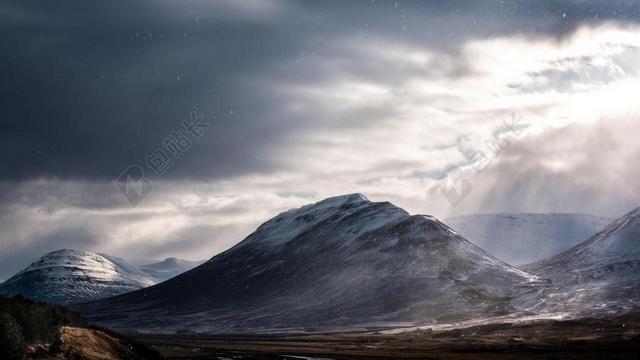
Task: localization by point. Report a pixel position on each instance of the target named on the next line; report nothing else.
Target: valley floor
(603, 338)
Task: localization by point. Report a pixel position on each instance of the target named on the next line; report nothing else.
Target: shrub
(11, 340)
(38, 322)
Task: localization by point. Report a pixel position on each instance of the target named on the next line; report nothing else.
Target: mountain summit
(341, 263)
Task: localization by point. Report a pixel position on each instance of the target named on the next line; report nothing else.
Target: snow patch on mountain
(289, 224)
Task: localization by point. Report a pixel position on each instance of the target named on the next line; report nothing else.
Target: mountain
(68, 276)
(599, 274)
(168, 268)
(342, 263)
(71, 276)
(520, 239)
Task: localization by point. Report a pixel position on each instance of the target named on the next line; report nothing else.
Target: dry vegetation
(32, 330)
(615, 338)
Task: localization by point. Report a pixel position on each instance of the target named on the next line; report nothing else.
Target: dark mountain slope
(342, 263)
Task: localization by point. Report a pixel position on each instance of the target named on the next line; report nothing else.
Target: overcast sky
(441, 107)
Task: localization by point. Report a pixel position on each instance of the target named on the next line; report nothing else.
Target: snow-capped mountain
(69, 276)
(168, 268)
(341, 263)
(72, 276)
(600, 274)
(523, 238)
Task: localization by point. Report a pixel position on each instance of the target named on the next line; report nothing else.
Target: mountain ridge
(341, 262)
(603, 272)
(67, 276)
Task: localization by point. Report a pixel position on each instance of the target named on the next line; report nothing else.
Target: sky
(148, 129)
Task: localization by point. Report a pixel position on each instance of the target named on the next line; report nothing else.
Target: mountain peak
(343, 261)
(600, 268)
(67, 251)
(347, 199)
(617, 242)
(66, 276)
(290, 224)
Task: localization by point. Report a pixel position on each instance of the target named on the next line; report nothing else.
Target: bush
(38, 322)
(23, 321)
(11, 340)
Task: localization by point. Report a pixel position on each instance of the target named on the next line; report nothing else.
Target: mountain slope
(342, 263)
(523, 238)
(600, 274)
(71, 276)
(168, 268)
(68, 276)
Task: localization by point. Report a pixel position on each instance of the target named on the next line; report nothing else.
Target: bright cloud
(388, 120)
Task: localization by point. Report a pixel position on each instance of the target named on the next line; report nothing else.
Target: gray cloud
(305, 100)
(89, 87)
(18, 256)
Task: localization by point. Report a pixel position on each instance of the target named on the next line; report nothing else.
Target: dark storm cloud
(83, 195)
(89, 87)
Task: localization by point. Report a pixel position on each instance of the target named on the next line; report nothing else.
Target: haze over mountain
(168, 268)
(70, 276)
(599, 274)
(341, 263)
(520, 239)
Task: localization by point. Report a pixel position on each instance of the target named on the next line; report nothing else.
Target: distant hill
(168, 268)
(71, 276)
(523, 238)
(599, 274)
